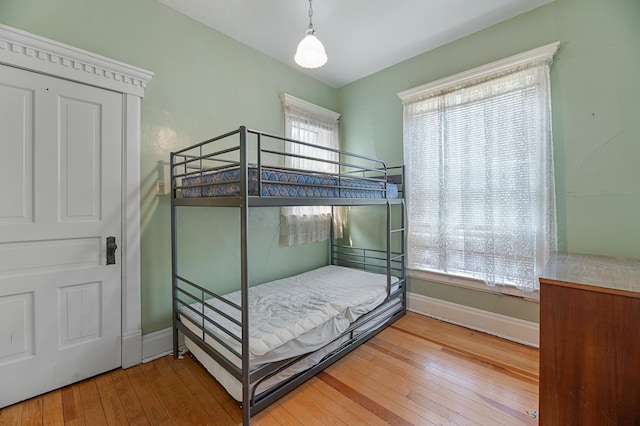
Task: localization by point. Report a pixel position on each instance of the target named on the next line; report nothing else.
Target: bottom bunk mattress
(290, 317)
(234, 387)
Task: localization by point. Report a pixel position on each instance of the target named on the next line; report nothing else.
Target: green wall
(596, 123)
(205, 83)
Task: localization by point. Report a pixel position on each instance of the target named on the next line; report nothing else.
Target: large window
(478, 151)
(312, 124)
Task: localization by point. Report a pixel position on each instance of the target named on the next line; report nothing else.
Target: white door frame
(34, 53)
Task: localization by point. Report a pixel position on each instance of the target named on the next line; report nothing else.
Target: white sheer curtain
(481, 199)
(312, 124)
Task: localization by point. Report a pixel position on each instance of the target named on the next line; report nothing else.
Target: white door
(60, 198)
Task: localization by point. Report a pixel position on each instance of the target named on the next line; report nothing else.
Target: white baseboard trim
(158, 344)
(514, 329)
(131, 349)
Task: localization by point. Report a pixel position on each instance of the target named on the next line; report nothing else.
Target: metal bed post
(331, 237)
(403, 245)
(259, 168)
(244, 297)
(174, 263)
(403, 212)
(388, 247)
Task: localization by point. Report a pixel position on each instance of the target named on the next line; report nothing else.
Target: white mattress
(234, 386)
(291, 317)
(295, 315)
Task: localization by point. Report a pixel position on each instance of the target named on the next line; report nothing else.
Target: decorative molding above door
(29, 51)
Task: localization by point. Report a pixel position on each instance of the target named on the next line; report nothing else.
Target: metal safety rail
(253, 153)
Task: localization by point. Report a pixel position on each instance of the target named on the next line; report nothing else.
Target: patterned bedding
(283, 183)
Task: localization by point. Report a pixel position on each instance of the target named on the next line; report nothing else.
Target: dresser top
(610, 274)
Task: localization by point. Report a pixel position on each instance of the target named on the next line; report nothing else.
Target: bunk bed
(262, 341)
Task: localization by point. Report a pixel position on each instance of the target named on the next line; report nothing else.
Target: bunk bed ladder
(396, 257)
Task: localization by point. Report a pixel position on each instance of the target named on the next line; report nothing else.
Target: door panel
(16, 312)
(79, 160)
(60, 304)
(16, 163)
(41, 256)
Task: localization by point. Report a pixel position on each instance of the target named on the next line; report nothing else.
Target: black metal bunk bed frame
(203, 158)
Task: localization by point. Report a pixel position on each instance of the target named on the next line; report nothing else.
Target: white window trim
(471, 283)
(288, 100)
(541, 53)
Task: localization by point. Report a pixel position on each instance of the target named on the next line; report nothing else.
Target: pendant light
(310, 52)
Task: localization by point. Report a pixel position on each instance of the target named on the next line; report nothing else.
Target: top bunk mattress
(294, 315)
(285, 183)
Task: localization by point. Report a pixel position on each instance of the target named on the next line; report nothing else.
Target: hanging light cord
(310, 16)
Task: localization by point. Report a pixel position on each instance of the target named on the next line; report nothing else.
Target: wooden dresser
(590, 341)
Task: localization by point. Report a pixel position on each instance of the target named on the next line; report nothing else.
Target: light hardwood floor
(419, 371)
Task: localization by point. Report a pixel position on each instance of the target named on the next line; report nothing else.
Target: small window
(312, 124)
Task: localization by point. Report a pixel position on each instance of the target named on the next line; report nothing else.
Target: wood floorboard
(92, 408)
(410, 382)
(32, 412)
(143, 395)
(303, 405)
(72, 404)
(440, 388)
(52, 414)
(277, 415)
(344, 407)
(446, 362)
(114, 412)
(220, 395)
(131, 405)
(11, 415)
(201, 393)
(377, 392)
(419, 371)
(368, 401)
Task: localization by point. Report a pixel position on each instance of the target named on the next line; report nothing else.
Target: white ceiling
(361, 37)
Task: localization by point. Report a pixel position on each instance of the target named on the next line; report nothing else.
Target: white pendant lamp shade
(310, 52)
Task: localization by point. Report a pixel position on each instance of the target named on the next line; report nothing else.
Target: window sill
(471, 283)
